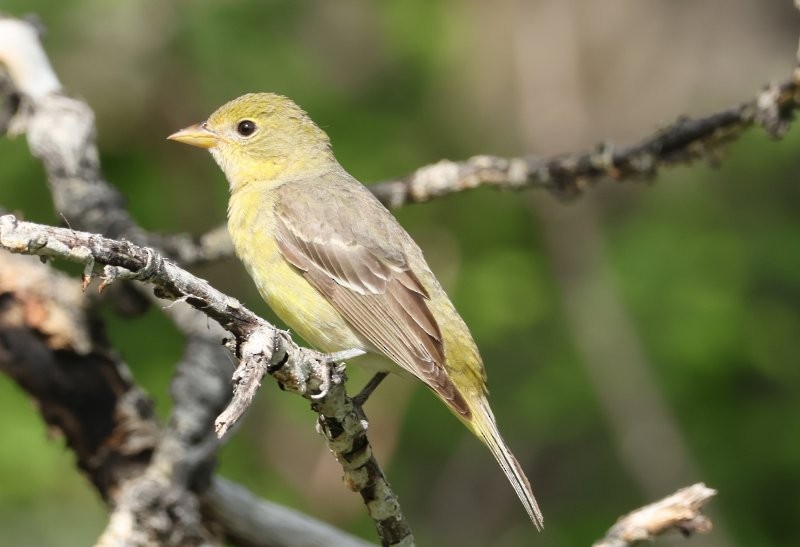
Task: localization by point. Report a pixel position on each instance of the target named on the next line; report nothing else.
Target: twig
(680, 512)
(569, 175)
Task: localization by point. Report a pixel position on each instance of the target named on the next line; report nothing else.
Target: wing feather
(361, 269)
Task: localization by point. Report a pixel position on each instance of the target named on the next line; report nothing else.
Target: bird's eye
(246, 128)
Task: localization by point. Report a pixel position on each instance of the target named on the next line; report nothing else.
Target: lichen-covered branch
(344, 426)
(61, 133)
(53, 350)
(569, 175)
(679, 512)
(261, 348)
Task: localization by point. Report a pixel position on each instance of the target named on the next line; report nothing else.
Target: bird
(337, 267)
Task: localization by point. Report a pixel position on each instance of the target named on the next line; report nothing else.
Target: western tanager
(336, 266)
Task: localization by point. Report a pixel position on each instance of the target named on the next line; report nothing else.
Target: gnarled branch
(569, 175)
(261, 347)
(679, 512)
(61, 133)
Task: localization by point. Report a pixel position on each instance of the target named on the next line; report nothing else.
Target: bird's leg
(364, 394)
(374, 382)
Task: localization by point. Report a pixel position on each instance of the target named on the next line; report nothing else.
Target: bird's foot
(335, 359)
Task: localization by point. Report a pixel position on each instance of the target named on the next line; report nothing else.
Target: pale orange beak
(196, 135)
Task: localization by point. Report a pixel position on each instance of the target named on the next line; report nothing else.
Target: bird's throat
(268, 171)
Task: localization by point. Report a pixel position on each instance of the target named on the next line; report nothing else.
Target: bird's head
(261, 137)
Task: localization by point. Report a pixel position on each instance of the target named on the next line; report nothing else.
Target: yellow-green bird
(336, 266)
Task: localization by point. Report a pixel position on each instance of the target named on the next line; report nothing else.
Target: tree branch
(61, 133)
(52, 349)
(261, 348)
(567, 176)
(83, 195)
(188, 250)
(58, 355)
(253, 522)
(678, 512)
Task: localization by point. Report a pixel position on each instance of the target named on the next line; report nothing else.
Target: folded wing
(351, 250)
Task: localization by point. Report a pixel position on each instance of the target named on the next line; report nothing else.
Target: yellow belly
(283, 287)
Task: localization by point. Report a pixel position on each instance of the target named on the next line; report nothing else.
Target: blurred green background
(636, 341)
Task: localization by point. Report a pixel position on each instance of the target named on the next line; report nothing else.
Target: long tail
(484, 427)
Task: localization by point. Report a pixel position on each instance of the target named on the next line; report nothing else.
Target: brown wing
(350, 248)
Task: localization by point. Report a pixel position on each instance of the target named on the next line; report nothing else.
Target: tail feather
(484, 426)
